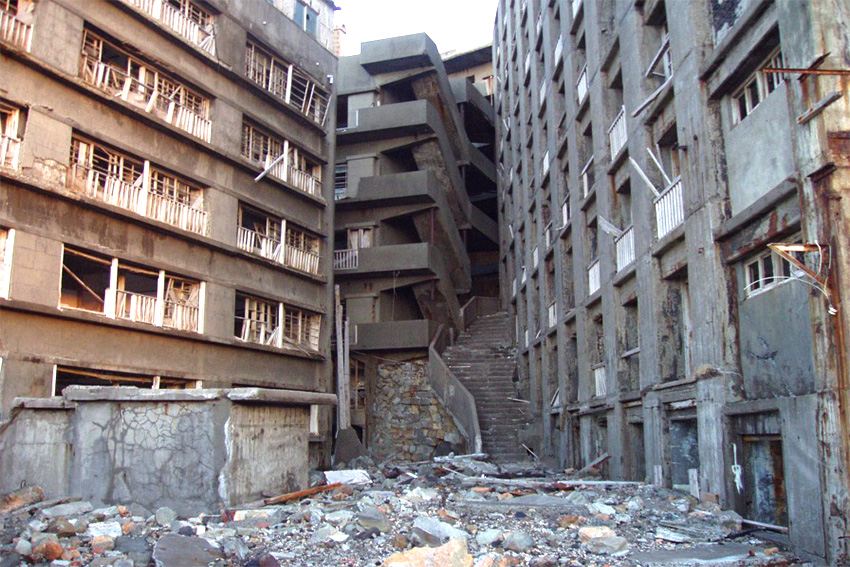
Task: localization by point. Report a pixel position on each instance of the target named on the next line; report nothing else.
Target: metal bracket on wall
(820, 276)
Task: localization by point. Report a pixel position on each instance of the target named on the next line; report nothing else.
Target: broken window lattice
(108, 175)
(114, 71)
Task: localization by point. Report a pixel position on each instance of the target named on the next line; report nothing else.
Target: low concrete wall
(191, 450)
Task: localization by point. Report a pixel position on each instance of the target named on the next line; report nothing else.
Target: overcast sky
(453, 24)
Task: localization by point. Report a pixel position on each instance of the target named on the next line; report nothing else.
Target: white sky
(453, 24)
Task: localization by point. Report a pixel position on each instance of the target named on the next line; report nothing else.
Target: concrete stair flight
(484, 360)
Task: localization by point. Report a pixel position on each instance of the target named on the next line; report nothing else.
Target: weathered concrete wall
(407, 421)
(757, 158)
(267, 451)
(775, 362)
(43, 436)
(191, 450)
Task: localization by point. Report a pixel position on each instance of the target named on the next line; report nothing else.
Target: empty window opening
(256, 320)
(629, 375)
(635, 456)
(306, 17)
(684, 450)
(11, 134)
(674, 332)
(115, 71)
(70, 376)
(757, 87)
(764, 480)
(85, 280)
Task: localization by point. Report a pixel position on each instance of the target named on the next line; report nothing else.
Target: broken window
(661, 65)
(118, 289)
(6, 244)
(262, 148)
(85, 280)
(304, 172)
(757, 87)
(286, 81)
(301, 327)
(257, 320)
(114, 71)
(764, 272)
(259, 232)
(108, 175)
(358, 385)
(11, 134)
(360, 238)
(340, 180)
(301, 250)
(306, 17)
(187, 18)
(629, 376)
(674, 331)
(684, 449)
(65, 376)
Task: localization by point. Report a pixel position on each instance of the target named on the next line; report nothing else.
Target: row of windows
(118, 179)
(131, 292)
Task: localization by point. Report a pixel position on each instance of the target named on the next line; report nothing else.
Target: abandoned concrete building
(647, 156)
(416, 237)
(166, 207)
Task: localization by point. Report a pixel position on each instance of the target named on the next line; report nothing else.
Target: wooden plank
(300, 494)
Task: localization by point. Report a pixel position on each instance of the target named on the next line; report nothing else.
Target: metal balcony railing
(600, 384)
(594, 281)
(346, 259)
(581, 85)
(618, 135)
(669, 208)
(625, 246)
(587, 178)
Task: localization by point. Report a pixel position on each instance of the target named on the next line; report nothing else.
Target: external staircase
(484, 361)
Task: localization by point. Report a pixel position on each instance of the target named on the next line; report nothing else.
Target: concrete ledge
(133, 394)
(288, 397)
(43, 403)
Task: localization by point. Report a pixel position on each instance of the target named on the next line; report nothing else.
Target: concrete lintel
(752, 406)
(43, 403)
(285, 397)
(133, 394)
(760, 207)
(733, 38)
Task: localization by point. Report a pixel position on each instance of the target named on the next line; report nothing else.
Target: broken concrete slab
(352, 477)
(181, 551)
(728, 554)
(433, 532)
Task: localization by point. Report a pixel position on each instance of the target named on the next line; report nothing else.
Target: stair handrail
(476, 307)
(452, 393)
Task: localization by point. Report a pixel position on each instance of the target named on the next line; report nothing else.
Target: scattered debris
(453, 511)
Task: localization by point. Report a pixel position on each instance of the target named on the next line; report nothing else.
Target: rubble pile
(456, 512)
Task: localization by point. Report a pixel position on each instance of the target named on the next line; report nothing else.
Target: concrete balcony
(406, 258)
(393, 335)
